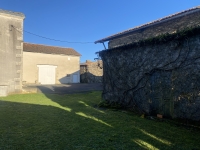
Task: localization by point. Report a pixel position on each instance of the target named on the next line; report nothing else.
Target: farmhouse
(11, 49)
(155, 68)
(50, 65)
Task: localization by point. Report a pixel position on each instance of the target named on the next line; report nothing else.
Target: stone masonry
(154, 68)
(155, 77)
(91, 72)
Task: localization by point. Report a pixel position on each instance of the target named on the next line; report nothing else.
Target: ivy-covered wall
(159, 75)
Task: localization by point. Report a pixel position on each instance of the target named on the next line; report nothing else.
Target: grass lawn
(38, 121)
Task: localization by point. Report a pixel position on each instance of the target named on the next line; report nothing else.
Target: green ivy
(178, 36)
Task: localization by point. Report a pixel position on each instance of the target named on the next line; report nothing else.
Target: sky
(88, 20)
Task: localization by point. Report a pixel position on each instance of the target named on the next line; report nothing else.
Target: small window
(68, 75)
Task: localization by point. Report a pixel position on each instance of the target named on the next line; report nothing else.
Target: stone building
(44, 64)
(155, 68)
(31, 63)
(11, 50)
(91, 72)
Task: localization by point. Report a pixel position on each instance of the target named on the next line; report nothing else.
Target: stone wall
(157, 76)
(91, 72)
(170, 26)
(11, 52)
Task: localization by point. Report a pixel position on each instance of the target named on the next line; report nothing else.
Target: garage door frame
(46, 74)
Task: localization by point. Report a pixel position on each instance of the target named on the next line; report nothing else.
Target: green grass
(38, 121)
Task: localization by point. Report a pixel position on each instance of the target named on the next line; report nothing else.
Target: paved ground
(62, 88)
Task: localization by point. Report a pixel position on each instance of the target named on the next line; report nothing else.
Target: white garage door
(47, 74)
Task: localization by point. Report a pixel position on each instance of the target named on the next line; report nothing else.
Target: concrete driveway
(63, 88)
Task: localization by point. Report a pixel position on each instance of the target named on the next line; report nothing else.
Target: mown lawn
(38, 121)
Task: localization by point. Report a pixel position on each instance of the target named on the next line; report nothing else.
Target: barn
(44, 64)
(155, 68)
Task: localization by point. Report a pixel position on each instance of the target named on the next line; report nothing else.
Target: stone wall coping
(12, 14)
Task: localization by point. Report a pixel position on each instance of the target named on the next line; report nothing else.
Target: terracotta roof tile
(37, 48)
(179, 14)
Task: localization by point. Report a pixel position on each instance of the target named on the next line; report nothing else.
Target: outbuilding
(44, 64)
(155, 68)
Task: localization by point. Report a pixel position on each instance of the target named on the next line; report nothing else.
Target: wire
(50, 38)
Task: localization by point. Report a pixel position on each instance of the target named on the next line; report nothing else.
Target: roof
(161, 20)
(37, 48)
(12, 13)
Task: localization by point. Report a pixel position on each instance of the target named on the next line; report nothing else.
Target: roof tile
(37, 48)
(148, 24)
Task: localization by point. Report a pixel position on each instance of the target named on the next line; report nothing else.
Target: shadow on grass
(67, 88)
(37, 121)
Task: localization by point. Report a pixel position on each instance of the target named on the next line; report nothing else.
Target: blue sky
(88, 20)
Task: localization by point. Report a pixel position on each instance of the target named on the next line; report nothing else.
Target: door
(75, 78)
(161, 93)
(47, 74)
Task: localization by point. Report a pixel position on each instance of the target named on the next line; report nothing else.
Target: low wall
(91, 72)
